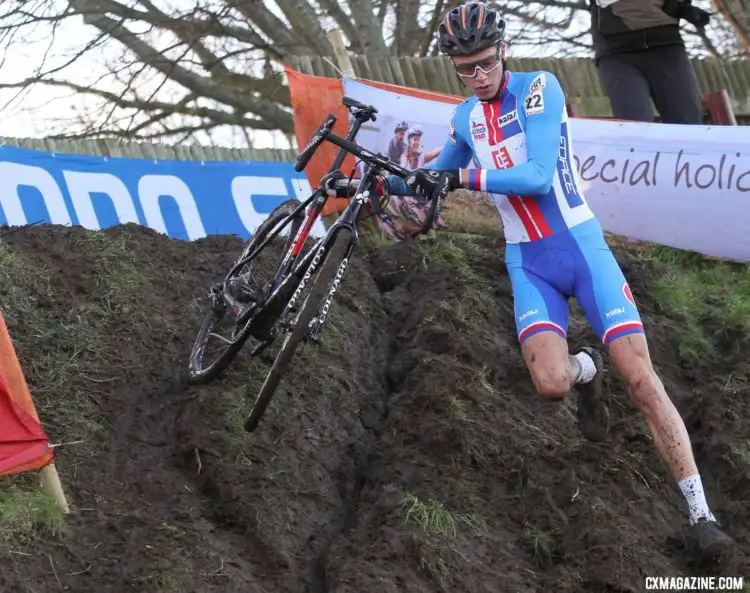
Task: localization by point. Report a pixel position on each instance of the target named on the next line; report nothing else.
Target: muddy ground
(407, 453)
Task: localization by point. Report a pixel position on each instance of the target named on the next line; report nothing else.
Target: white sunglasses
(476, 66)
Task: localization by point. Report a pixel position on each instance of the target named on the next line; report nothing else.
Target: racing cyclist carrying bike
(516, 127)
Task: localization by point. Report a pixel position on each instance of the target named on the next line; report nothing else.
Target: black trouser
(632, 79)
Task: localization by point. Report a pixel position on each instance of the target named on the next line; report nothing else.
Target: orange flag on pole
(23, 443)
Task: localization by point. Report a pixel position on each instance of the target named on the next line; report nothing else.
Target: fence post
(573, 110)
(720, 108)
(342, 57)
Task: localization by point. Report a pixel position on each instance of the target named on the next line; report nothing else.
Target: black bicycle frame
(320, 197)
(304, 271)
(348, 218)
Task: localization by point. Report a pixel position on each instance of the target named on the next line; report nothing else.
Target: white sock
(588, 368)
(692, 490)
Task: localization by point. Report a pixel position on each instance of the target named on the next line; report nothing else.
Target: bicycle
(277, 307)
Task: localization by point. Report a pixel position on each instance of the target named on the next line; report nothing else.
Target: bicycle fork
(316, 323)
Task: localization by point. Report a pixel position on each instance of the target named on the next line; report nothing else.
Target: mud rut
(422, 397)
(386, 317)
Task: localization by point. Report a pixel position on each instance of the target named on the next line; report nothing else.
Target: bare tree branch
(737, 14)
(181, 107)
(272, 27)
(429, 33)
(344, 21)
(368, 25)
(306, 23)
(174, 70)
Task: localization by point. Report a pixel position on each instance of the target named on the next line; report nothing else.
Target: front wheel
(331, 267)
(246, 285)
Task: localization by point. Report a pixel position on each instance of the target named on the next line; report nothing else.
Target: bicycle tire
(319, 286)
(200, 376)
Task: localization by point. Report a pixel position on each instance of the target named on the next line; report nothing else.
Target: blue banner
(182, 199)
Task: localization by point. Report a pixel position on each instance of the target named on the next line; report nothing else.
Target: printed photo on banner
(410, 142)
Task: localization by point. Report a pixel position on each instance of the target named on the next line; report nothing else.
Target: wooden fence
(148, 150)
(577, 75)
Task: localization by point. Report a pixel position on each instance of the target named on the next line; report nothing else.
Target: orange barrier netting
(23, 443)
(313, 98)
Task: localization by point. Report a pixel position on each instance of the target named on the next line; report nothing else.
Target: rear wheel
(226, 326)
(319, 287)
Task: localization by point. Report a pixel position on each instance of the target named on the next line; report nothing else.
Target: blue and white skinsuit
(555, 247)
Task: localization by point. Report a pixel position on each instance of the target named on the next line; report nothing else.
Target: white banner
(677, 185)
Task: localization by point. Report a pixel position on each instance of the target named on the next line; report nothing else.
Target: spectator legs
(626, 87)
(674, 87)
(665, 74)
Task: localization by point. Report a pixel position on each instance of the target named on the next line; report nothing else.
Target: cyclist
(414, 157)
(515, 126)
(397, 145)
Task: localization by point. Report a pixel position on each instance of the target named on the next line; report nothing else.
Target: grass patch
(461, 253)
(435, 520)
(457, 249)
(435, 566)
(458, 409)
(471, 212)
(431, 516)
(238, 407)
(119, 274)
(236, 403)
(446, 250)
(27, 512)
(742, 451)
(334, 336)
(469, 309)
(700, 289)
(541, 542)
(21, 286)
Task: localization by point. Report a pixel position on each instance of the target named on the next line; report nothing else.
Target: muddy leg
(553, 370)
(631, 358)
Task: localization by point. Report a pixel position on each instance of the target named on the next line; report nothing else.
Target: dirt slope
(414, 456)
